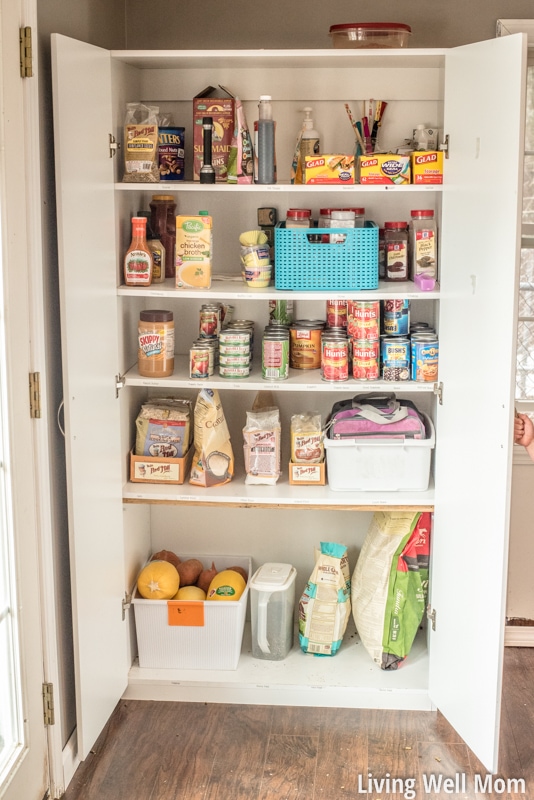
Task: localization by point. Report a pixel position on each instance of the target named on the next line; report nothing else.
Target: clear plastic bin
(371, 35)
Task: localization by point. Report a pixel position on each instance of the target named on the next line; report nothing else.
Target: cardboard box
(206, 635)
(383, 168)
(220, 105)
(194, 248)
(427, 167)
(329, 168)
(307, 474)
(146, 469)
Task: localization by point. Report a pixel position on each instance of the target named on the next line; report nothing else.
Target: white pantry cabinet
(456, 663)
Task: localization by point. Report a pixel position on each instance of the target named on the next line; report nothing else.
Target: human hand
(523, 430)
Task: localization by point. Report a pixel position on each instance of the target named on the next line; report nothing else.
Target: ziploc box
(427, 167)
(329, 168)
(218, 104)
(194, 250)
(380, 168)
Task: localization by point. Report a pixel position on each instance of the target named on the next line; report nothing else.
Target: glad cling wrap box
(380, 168)
(324, 607)
(427, 167)
(331, 168)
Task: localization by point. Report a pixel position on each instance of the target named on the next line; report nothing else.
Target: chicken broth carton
(194, 249)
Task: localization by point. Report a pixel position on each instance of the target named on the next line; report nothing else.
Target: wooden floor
(195, 751)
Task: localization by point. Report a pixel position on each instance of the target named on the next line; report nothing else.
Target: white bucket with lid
(272, 596)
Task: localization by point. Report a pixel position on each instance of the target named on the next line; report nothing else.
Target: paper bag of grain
(213, 457)
(261, 446)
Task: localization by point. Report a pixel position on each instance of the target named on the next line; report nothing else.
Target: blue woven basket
(305, 263)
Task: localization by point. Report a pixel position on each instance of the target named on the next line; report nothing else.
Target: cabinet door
(484, 118)
(87, 275)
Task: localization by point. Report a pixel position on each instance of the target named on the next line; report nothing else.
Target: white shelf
(228, 288)
(194, 186)
(305, 380)
(282, 495)
(349, 679)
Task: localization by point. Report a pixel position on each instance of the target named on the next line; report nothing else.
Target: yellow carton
(194, 249)
(381, 168)
(427, 167)
(331, 168)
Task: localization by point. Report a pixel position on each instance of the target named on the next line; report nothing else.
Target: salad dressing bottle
(138, 259)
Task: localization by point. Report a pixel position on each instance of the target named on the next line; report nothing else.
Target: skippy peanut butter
(194, 248)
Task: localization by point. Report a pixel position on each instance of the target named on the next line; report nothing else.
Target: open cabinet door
(484, 118)
(87, 274)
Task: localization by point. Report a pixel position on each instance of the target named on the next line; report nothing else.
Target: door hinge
(114, 145)
(444, 146)
(438, 391)
(26, 62)
(35, 395)
(126, 603)
(431, 615)
(48, 704)
(119, 383)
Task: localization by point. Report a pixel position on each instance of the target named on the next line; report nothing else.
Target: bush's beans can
(199, 362)
(366, 360)
(305, 344)
(424, 357)
(336, 313)
(396, 317)
(395, 358)
(363, 319)
(334, 358)
(275, 355)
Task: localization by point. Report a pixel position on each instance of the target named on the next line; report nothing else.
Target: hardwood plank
(392, 758)
(444, 769)
(296, 720)
(341, 759)
(289, 770)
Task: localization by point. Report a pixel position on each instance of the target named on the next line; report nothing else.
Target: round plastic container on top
(372, 35)
(272, 602)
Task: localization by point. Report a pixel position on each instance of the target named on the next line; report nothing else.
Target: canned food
(234, 361)
(335, 359)
(212, 345)
(305, 347)
(234, 371)
(363, 319)
(425, 357)
(210, 320)
(275, 356)
(365, 360)
(236, 349)
(199, 362)
(396, 317)
(336, 313)
(395, 357)
(229, 336)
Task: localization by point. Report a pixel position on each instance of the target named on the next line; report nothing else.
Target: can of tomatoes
(363, 319)
(366, 360)
(334, 358)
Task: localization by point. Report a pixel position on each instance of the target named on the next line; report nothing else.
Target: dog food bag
(324, 607)
(261, 446)
(213, 457)
(390, 584)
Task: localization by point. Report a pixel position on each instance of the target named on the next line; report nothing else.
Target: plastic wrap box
(186, 644)
(381, 465)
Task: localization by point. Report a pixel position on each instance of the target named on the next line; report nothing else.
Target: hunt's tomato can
(336, 313)
(366, 360)
(335, 358)
(363, 319)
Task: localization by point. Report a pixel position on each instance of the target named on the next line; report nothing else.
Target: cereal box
(381, 168)
(330, 168)
(427, 166)
(222, 109)
(194, 250)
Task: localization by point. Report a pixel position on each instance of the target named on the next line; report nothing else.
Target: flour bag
(390, 584)
(324, 607)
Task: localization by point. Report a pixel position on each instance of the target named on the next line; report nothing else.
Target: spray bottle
(309, 143)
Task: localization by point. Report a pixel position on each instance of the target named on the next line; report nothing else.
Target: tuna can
(335, 358)
(234, 372)
(365, 360)
(305, 347)
(199, 362)
(210, 320)
(363, 319)
(425, 357)
(336, 314)
(395, 357)
(396, 317)
(230, 337)
(234, 361)
(235, 349)
(275, 355)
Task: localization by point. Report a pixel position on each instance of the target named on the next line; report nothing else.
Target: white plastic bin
(214, 645)
(380, 465)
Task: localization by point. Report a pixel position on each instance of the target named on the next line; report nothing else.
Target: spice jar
(155, 353)
(359, 216)
(423, 244)
(396, 246)
(163, 224)
(298, 218)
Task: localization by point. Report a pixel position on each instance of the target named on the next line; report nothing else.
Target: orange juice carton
(194, 249)
(427, 166)
(218, 104)
(330, 168)
(378, 168)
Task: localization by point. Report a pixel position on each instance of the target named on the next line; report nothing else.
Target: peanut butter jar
(155, 352)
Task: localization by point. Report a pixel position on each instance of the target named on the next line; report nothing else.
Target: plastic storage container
(385, 465)
(370, 34)
(272, 605)
(213, 643)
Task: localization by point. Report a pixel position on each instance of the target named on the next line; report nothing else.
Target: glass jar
(163, 224)
(155, 350)
(396, 247)
(298, 218)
